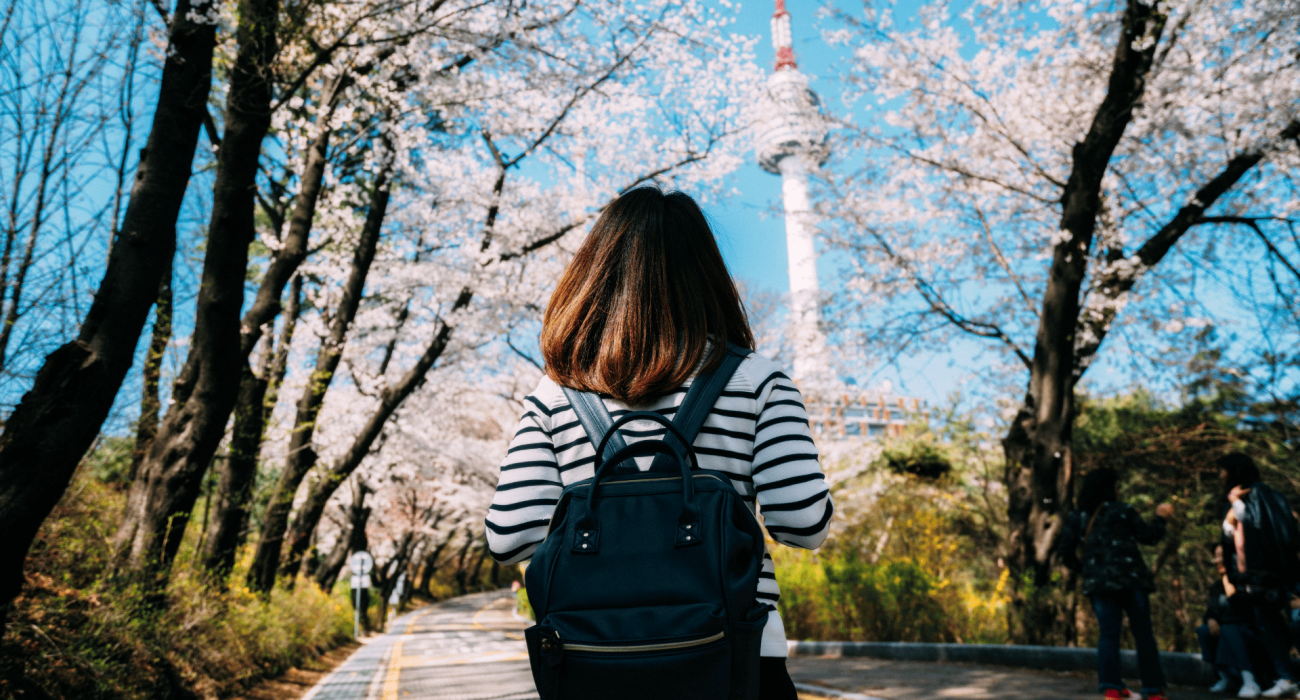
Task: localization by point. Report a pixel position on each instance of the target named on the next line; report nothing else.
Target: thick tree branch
(1116, 279)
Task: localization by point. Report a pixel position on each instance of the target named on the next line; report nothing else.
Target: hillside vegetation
(74, 633)
(916, 555)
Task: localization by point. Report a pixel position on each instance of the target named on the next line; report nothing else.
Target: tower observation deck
(792, 143)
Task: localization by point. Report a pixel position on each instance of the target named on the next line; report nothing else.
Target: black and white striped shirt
(757, 432)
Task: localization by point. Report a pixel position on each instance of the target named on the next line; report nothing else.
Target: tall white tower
(792, 143)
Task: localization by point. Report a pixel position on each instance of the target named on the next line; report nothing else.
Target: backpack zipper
(675, 478)
(645, 647)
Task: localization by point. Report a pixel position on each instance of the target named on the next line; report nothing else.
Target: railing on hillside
(866, 416)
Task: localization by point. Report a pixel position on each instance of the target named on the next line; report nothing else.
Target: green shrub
(912, 551)
(845, 598)
(522, 606)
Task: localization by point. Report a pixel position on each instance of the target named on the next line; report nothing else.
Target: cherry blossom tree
(1043, 176)
(494, 167)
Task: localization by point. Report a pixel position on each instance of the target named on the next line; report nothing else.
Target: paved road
(471, 648)
(914, 680)
(468, 648)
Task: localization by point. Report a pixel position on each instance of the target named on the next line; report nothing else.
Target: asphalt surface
(467, 648)
(914, 680)
(472, 648)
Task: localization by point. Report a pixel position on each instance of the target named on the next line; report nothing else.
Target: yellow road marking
(393, 674)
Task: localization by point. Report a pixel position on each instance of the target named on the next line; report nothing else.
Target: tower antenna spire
(781, 40)
(792, 143)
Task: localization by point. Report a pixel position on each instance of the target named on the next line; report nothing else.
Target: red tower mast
(781, 40)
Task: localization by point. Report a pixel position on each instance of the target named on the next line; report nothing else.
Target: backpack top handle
(612, 431)
(587, 529)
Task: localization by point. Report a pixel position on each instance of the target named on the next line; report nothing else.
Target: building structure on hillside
(792, 143)
(870, 416)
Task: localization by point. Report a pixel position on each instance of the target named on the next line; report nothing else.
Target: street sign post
(361, 563)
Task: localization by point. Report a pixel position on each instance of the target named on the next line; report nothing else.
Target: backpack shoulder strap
(595, 419)
(699, 400)
(690, 417)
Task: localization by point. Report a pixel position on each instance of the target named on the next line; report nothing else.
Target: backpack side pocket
(544, 656)
(746, 647)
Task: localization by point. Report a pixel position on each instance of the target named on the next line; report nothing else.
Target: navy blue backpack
(644, 588)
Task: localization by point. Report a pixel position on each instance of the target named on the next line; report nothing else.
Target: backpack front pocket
(688, 669)
(647, 661)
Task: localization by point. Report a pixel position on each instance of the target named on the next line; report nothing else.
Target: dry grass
(75, 634)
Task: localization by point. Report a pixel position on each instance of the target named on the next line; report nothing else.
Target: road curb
(823, 692)
(1180, 668)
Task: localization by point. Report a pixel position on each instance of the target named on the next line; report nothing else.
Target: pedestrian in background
(1227, 640)
(1260, 543)
(1116, 578)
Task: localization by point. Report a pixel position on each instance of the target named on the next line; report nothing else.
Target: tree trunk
(460, 573)
(301, 458)
(478, 564)
(354, 540)
(431, 565)
(1037, 446)
(58, 419)
(293, 249)
(329, 570)
(253, 409)
(147, 426)
(162, 497)
(386, 576)
(236, 473)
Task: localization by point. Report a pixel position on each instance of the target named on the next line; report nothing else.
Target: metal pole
(356, 613)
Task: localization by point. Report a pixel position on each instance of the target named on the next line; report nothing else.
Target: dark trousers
(1229, 650)
(774, 680)
(1111, 607)
(1295, 628)
(1271, 627)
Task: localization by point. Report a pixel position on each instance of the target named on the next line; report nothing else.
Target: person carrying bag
(1260, 547)
(638, 466)
(1116, 578)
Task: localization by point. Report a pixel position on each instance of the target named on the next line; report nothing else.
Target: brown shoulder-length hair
(641, 302)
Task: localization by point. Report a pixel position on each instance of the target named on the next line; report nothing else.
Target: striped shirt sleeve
(792, 493)
(528, 489)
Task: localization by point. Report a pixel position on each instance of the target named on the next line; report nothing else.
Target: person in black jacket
(1295, 617)
(1260, 555)
(1116, 578)
(1226, 638)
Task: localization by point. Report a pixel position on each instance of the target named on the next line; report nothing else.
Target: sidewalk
(913, 680)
